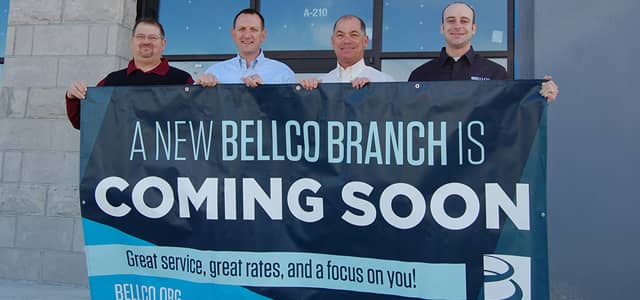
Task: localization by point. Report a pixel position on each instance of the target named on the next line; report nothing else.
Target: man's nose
(348, 40)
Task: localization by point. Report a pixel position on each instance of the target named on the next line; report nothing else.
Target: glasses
(150, 37)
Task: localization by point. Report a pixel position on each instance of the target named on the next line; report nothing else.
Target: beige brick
(11, 166)
(23, 40)
(78, 236)
(7, 231)
(61, 39)
(66, 138)
(50, 167)
(63, 201)
(21, 199)
(25, 134)
(98, 38)
(20, 264)
(94, 11)
(30, 71)
(89, 69)
(13, 102)
(37, 232)
(17, 99)
(35, 12)
(11, 37)
(119, 41)
(65, 267)
(47, 103)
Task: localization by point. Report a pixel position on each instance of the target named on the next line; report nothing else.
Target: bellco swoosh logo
(507, 277)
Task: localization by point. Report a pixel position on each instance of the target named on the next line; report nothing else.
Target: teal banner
(395, 191)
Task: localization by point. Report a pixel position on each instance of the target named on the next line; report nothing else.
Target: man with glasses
(250, 66)
(349, 39)
(458, 61)
(146, 68)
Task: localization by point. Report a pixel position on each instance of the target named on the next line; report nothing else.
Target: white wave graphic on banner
(507, 277)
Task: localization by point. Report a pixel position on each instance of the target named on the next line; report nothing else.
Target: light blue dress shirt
(271, 71)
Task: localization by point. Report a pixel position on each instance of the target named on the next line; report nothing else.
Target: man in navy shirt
(146, 68)
(458, 60)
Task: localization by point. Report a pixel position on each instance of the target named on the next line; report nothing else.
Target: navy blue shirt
(471, 66)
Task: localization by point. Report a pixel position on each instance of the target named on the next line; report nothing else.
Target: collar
(162, 69)
(444, 57)
(353, 69)
(243, 62)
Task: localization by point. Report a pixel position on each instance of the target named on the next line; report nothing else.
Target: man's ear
(263, 35)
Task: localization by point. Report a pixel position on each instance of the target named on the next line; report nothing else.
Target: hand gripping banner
(394, 191)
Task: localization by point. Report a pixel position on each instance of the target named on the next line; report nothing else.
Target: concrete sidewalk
(25, 290)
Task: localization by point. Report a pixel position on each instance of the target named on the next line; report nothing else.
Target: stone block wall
(49, 44)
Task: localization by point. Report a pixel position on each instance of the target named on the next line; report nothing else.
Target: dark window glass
(400, 69)
(414, 25)
(199, 26)
(307, 25)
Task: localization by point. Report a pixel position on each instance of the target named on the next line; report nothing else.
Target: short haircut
(248, 11)
(363, 27)
(150, 21)
(473, 11)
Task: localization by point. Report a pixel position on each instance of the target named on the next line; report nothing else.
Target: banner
(394, 191)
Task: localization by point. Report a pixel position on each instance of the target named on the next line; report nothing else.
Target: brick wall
(49, 44)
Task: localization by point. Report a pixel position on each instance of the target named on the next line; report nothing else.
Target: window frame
(321, 61)
(4, 53)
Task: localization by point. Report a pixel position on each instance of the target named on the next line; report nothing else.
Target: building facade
(593, 139)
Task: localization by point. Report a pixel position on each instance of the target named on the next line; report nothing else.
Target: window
(195, 68)
(402, 33)
(288, 22)
(4, 18)
(199, 26)
(414, 25)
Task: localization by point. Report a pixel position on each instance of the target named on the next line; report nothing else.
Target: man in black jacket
(458, 60)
